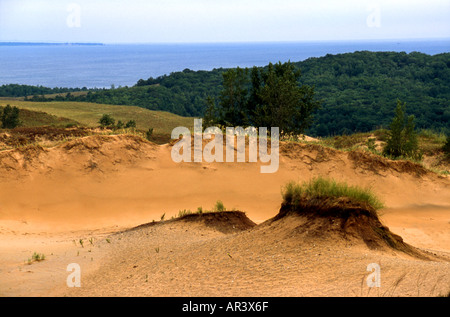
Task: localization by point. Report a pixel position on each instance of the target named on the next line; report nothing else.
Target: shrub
(107, 121)
(9, 117)
(36, 257)
(130, 124)
(120, 124)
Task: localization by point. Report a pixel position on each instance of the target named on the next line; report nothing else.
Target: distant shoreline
(47, 44)
(361, 41)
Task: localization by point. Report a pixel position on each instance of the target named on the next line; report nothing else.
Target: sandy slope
(97, 185)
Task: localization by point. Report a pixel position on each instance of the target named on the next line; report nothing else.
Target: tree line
(16, 90)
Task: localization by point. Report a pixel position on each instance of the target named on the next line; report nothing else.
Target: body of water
(123, 65)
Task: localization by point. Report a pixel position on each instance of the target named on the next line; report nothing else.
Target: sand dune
(194, 258)
(97, 185)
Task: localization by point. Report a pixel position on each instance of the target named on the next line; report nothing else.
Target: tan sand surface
(97, 186)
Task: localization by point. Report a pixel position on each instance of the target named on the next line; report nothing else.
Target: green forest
(357, 91)
(15, 90)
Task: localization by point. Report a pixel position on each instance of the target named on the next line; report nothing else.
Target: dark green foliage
(233, 97)
(283, 102)
(14, 90)
(130, 124)
(9, 117)
(107, 121)
(270, 98)
(120, 124)
(356, 91)
(402, 140)
(211, 113)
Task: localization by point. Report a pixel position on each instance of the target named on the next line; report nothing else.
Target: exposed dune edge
(225, 222)
(334, 219)
(113, 149)
(98, 152)
(361, 160)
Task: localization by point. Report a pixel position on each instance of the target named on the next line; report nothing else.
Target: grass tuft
(36, 257)
(321, 188)
(219, 207)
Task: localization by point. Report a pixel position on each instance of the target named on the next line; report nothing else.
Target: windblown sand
(96, 188)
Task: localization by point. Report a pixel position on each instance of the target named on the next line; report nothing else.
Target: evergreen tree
(254, 101)
(402, 138)
(411, 146)
(233, 98)
(270, 98)
(211, 117)
(283, 102)
(10, 117)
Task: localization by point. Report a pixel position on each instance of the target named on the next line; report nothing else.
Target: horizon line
(228, 42)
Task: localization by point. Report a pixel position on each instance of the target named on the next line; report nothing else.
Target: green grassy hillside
(90, 113)
(33, 118)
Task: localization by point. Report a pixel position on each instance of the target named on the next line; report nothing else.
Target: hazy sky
(151, 21)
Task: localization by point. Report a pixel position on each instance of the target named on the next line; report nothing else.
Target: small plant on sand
(321, 188)
(91, 241)
(219, 207)
(108, 240)
(163, 216)
(157, 250)
(81, 243)
(36, 257)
